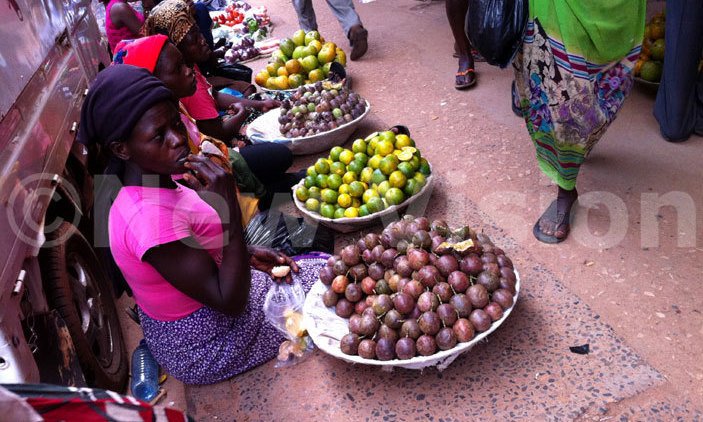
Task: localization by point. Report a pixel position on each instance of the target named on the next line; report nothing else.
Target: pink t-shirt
(201, 105)
(142, 218)
(115, 35)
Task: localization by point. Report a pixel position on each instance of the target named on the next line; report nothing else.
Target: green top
(602, 31)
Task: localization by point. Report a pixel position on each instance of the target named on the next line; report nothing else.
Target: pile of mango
(650, 64)
(300, 60)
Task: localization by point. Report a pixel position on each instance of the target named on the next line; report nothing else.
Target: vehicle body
(58, 322)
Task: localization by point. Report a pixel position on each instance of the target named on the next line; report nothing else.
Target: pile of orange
(650, 64)
(300, 60)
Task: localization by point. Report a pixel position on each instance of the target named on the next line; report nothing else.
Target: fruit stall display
(246, 32)
(302, 59)
(352, 188)
(419, 294)
(650, 64)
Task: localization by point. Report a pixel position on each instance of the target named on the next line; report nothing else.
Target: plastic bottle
(145, 373)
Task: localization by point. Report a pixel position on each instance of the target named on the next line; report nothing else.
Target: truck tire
(77, 287)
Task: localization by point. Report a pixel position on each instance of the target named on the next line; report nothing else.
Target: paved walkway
(628, 281)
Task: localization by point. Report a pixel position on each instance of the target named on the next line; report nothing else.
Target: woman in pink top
(181, 249)
(122, 22)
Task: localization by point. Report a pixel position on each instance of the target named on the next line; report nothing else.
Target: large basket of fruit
(378, 179)
(314, 119)
(302, 59)
(418, 295)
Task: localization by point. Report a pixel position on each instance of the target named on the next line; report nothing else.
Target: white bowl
(267, 129)
(327, 329)
(347, 224)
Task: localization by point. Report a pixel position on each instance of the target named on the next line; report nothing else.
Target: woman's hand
(236, 110)
(264, 259)
(214, 185)
(266, 105)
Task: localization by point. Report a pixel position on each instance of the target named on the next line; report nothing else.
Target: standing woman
(572, 77)
(122, 22)
(200, 289)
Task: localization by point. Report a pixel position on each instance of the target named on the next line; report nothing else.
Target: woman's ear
(119, 150)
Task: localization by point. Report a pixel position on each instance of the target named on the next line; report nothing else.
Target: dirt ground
(627, 281)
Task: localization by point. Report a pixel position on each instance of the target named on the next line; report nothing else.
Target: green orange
(394, 196)
(312, 204)
(397, 179)
(344, 200)
(337, 168)
(359, 146)
(346, 156)
(321, 166)
(334, 153)
(329, 196)
(302, 193)
(321, 181)
(334, 181)
(327, 210)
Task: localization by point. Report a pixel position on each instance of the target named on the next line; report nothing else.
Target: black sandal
(559, 219)
(471, 79)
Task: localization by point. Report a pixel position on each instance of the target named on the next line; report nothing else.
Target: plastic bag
(496, 28)
(283, 308)
(288, 234)
(235, 71)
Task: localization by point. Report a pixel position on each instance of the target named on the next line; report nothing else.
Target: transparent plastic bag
(283, 307)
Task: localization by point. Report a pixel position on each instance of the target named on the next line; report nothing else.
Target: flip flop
(552, 214)
(471, 81)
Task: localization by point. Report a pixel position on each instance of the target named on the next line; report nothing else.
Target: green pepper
(253, 25)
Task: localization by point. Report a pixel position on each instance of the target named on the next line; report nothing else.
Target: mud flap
(55, 354)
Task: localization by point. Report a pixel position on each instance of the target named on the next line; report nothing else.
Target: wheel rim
(87, 300)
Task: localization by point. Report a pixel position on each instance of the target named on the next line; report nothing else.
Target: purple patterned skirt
(208, 346)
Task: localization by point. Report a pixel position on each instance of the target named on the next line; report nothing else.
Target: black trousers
(269, 163)
(679, 105)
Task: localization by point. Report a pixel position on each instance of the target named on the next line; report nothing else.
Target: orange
(394, 196)
(293, 66)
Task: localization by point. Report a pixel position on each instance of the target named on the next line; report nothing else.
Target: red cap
(142, 52)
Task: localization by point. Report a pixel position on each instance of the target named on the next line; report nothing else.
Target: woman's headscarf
(116, 100)
(142, 52)
(171, 18)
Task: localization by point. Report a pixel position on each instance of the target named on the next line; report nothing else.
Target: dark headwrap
(118, 98)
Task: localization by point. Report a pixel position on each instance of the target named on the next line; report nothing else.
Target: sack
(496, 28)
(235, 71)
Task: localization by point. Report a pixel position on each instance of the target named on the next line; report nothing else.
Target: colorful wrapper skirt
(208, 346)
(567, 102)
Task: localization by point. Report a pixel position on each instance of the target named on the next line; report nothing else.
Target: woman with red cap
(260, 169)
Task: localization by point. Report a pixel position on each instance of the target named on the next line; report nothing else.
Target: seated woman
(122, 22)
(263, 170)
(217, 114)
(181, 249)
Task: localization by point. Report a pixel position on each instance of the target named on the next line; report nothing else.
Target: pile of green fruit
(318, 108)
(417, 289)
(651, 61)
(302, 59)
(382, 170)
